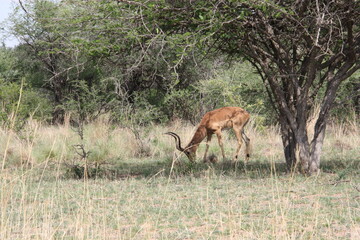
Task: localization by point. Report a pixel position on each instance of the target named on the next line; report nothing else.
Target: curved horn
(177, 140)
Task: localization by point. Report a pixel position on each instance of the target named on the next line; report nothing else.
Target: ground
(158, 194)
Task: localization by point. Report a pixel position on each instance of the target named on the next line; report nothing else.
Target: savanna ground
(154, 193)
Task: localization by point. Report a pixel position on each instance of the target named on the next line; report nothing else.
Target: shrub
(19, 102)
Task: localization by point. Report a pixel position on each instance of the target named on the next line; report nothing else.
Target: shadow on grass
(253, 169)
(341, 167)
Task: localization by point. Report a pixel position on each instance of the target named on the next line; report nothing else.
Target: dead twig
(335, 183)
(357, 188)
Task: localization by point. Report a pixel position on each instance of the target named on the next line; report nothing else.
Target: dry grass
(153, 197)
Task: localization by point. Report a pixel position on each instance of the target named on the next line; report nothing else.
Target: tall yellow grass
(37, 203)
(38, 143)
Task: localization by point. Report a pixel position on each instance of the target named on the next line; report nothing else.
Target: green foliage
(139, 113)
(347, 103)
(156, 61)
(8, 63)
(86, 102)
(236, 86)
(17, 103)
(183, 104)
(30, 67)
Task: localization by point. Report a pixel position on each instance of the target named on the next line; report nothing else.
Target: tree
(118, 39)
(68, 43)
(51, 55)
(298, 48)
(32, 23)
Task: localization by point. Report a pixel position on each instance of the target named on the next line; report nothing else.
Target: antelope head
(189, 150)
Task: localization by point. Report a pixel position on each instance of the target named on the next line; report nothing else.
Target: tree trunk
(356, 98)
(59, 113)
(316, 147)
(304, 151)
(308, 154)
(289, 143)
(298, 150)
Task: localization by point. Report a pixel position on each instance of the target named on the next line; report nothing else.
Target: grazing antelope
(214, 122)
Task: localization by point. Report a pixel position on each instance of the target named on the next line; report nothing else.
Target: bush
(19, 102)
(347, 102)
(183, 104)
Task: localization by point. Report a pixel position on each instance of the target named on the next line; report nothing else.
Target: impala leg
(239, 140)
(219, 136)
(247, 144)
(208, 139)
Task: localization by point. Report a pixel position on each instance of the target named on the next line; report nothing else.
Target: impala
(214, 122)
